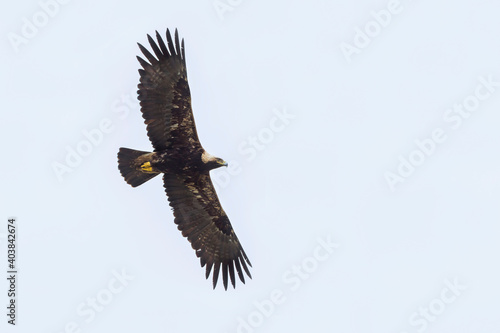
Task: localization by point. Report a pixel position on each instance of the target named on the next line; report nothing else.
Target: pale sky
(364, 181)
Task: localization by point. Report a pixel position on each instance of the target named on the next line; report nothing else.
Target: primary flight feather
(166, 108)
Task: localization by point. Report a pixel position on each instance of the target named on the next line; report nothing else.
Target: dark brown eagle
(166, 108)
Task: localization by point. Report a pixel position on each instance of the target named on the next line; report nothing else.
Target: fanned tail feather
(129, 165)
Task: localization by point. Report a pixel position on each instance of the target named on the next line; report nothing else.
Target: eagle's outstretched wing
(200, 217)
(164, 96)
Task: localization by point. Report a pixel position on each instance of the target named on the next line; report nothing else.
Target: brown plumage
(166, 108)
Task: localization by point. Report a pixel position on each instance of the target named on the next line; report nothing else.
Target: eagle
(165, 102)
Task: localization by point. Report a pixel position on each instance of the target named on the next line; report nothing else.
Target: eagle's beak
(225, 164)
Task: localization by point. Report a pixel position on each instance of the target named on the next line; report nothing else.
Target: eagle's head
(212, 162)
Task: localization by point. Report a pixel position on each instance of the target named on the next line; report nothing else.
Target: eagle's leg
(147, 168)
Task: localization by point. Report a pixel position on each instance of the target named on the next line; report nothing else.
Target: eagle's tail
(135, 166)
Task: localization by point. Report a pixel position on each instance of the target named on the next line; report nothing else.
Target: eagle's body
(166, 107)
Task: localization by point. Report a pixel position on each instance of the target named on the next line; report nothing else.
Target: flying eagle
(166, 108)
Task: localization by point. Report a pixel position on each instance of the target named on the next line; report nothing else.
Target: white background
(322, 175)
